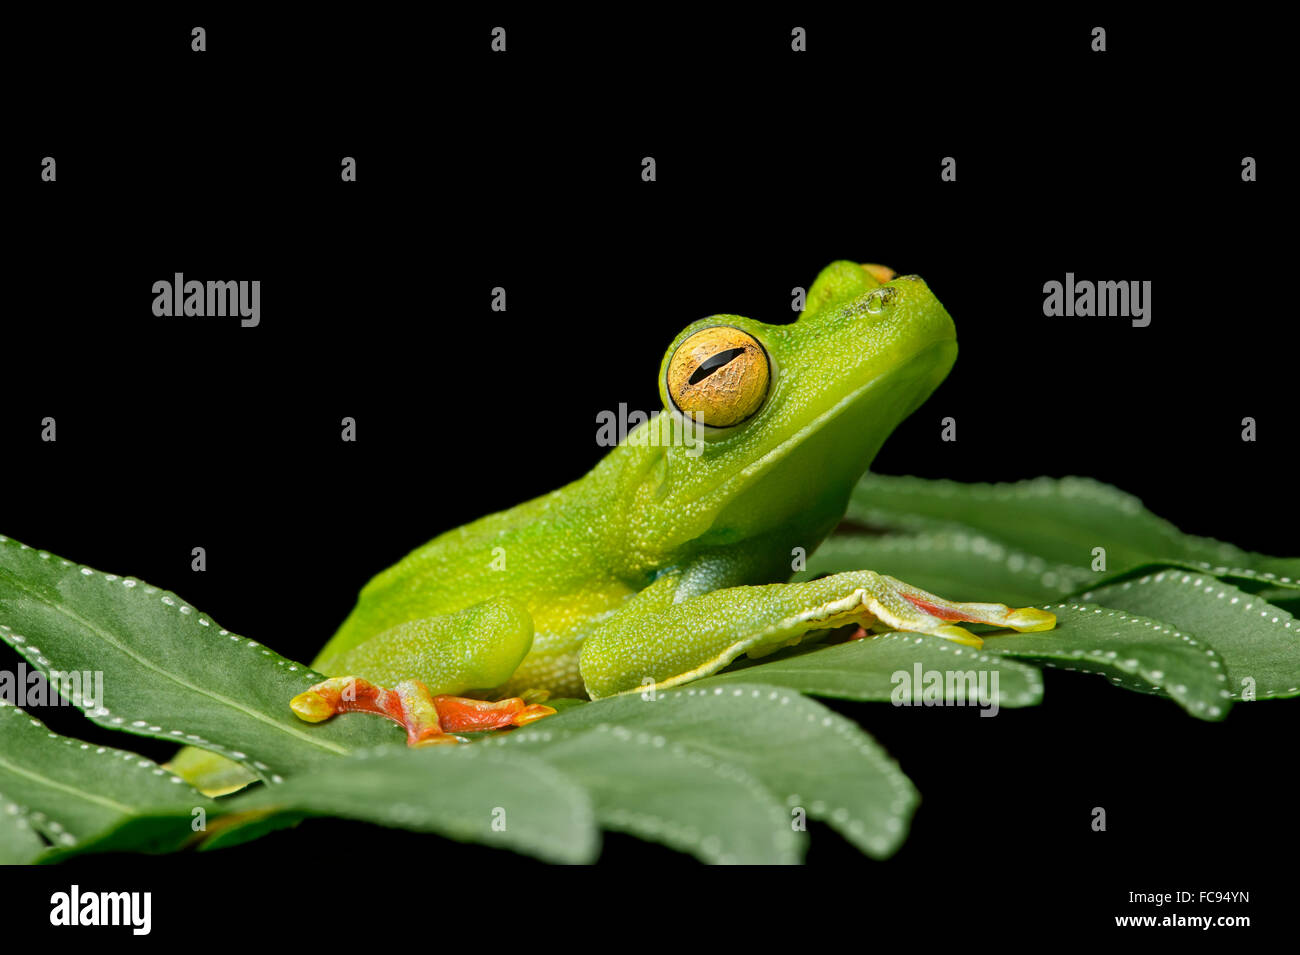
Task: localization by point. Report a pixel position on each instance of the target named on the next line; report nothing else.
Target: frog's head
(767, 427)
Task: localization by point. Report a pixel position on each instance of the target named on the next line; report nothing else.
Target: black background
(522, 170)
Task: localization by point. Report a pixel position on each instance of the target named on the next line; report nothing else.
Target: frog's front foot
(428, 719)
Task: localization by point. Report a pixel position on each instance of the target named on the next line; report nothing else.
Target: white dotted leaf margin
(465, 793)
(955, 564)
(664, 791)
(1264, 581)
(1132, 651)
(70, 791)
(813, 761)
(1259, 643)
(868, 670)
(169, 671)
(20, 843)
(1060, 520)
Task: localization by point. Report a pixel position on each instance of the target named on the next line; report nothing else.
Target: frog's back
(552, 553)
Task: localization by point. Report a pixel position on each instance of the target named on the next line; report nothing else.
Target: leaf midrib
(79, 793)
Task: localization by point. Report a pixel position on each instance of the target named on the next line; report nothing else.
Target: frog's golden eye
(719, 375)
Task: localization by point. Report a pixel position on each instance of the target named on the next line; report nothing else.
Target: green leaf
(804, 754)
(1135, 652)
(237, 828)
(151, 831)
(1059, 519)
(1255, 639)
(865, 670)
(169, 671)
(19, 841)
(956, 564)
(70, 790)
(466, 793)
(663, 791)
(1279, 587)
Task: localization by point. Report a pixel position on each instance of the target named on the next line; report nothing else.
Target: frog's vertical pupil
(713, 363)
(719, 375)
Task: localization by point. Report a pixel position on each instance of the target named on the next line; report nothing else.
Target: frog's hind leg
(427, 719)
(672, 644)
(472, 649)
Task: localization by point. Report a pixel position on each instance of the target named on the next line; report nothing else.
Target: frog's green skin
(663, 563)
(656, 523)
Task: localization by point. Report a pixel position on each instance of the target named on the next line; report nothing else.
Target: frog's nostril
(875, 302)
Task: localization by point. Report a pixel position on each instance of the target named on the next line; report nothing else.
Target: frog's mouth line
(728, 488)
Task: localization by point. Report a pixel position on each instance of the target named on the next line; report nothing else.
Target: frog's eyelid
(713, 363)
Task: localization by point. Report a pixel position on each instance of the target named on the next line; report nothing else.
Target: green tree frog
(666, 562)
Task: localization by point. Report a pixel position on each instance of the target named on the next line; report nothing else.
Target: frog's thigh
(702, 634)
(477, 648)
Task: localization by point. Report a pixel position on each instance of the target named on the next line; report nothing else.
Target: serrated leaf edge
(1152, 681)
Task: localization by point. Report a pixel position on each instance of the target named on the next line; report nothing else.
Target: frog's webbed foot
(428, 719)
